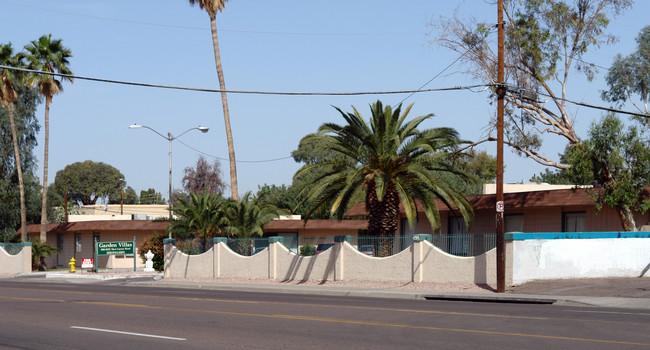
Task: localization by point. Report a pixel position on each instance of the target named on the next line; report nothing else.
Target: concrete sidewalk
(614, 292)
(632, 293)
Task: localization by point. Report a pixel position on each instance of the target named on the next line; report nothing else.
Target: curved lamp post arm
(136, 126)
(202, 129)
(170, 138)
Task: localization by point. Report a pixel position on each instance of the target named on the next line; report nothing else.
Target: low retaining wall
(537, 256)
(19, 263)
(422, 262)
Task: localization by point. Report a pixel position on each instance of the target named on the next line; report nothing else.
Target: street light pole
(170, 138)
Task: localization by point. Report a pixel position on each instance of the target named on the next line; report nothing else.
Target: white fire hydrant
(148, 265)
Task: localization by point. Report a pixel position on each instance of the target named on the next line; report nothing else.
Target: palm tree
(40, 251)
(392, 161)
(246, 218)
(47, 55)
(212, 7)
(7, 97)
(199, 215)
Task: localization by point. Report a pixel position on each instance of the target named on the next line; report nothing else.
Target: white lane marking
(127, 333)
(609, 312)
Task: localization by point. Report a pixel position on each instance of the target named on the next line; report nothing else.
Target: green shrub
(307, 250)
(155, 244)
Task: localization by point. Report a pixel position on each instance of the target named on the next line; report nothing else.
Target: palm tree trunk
(384, 215)
(19, 168)
(226, 114)
(46, 147)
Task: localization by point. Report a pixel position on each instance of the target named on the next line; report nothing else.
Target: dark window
(514, 223)
(574, 222)
(458, 240)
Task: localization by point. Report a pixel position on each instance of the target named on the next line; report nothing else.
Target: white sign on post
(500, 207)
(86, 263)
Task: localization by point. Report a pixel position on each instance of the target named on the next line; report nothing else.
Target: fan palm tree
(200, 216)
(392, 161)
(212, 7)
(40, 251)
(247, 217)
(7, 97)
(47, 55)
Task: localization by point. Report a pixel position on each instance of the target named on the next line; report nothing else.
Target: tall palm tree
(212, 7)
(7, 97)
(392, 161)
(47, 55)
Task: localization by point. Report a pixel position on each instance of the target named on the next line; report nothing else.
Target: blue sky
(292, 45)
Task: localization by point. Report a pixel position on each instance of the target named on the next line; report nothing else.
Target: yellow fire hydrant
(71, 263)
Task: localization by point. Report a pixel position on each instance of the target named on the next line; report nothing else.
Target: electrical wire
(254, 92)
(444, 70)
(226, 159)
(201, 28)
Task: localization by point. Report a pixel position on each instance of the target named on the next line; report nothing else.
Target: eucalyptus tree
(8, 94)
(212, 7)
(392, 161)
(630, 75)
(544, 41)
(618, 158)
(47, 55)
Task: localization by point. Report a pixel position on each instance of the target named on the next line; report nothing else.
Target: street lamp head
(135, 126)
(203, 129)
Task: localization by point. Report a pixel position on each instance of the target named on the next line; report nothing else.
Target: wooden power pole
(501, 91)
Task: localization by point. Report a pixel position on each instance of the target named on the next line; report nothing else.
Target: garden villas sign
(116, 248)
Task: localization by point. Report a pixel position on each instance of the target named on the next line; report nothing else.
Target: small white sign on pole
(87, 263)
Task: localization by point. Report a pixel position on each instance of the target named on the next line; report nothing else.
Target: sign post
(96, 260)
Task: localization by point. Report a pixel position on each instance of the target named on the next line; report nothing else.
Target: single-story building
(76, 240)
(557, 210)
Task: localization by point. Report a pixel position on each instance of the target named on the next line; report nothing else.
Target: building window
(77, 243)
(574, 222)
(456, 225)
(514, 223)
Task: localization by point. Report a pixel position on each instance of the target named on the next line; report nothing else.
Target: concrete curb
(157, 280)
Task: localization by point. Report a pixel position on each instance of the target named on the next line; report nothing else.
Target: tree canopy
(204, 177)
(618, 158)
(391, 160)
(544, 41)
(630, 75)
(88, 181)
(27, 128)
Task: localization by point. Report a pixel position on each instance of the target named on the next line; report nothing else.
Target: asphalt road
(45, 315)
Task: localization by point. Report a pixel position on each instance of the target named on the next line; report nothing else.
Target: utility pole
(501, 91)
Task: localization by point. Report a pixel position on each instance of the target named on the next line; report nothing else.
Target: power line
(445, 69)
(239, 161)
(254, 92)
(111, 19)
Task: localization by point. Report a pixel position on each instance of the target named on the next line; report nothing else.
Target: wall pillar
(417, 269)
(168, 243)
(216, 255)
(274, 244)
(510, 251)
(27, 257)
(339, 266)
